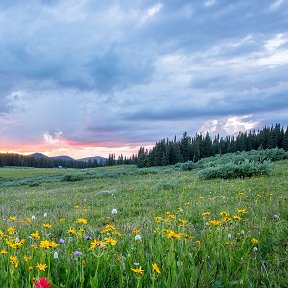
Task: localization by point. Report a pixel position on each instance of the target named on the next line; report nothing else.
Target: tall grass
(213, 233)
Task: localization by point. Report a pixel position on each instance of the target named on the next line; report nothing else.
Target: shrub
(232, 170)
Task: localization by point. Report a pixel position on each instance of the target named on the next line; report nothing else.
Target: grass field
(171, 229)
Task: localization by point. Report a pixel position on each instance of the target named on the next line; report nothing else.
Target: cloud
(128, 73)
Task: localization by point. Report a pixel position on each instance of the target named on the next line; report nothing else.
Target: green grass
(204, 256)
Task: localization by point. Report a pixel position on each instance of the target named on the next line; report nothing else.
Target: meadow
(129, 227)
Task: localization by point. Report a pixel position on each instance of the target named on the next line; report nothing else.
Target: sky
(88, 78)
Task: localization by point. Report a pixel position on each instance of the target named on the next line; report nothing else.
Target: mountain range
(68, 158)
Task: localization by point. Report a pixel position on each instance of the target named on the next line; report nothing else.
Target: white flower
(114, 211)
(276, 216)
(242, 232)
(33, 217)
(17, 240)
(138, 237)
(45, 215)
(255, 249)
(229, 236)
(136, 263)
(55, 255)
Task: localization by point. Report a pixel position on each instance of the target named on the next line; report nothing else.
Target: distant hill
(62, 157)
(38, 155)
(65, 158)
(97, 158)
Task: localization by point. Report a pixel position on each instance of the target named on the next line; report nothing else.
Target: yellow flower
(11, 231)
(14, 261)
(30, 268)
(224, 214)
(81, 221)
(3, 251)
(215, 222)
(108, 228)
(27, 258)
(206, 213)
(12, 218)
(96, 243)
(62, 219)
(157, 219)
(71, 231)
(242, 211)
(138, 270)
(35, 235)
(197, 242)
(236, 217)
(156, 268)
(47, 225)
(48, 244)
(41, 267)
(172, 216)
(254, 241)
(111, 241)
(172, 234)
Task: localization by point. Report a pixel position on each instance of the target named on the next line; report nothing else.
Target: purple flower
(77, 253)
(61, 241)
(87, 237)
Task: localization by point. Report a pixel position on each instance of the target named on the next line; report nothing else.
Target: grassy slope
(141, 197)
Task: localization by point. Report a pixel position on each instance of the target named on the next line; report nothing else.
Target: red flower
(42, 283)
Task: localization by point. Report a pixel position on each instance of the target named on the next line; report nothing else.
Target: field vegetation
(122, 226)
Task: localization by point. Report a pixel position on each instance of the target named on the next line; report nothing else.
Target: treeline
(170, 152)
(13, 159)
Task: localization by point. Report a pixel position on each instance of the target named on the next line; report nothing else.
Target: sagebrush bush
(232, 170)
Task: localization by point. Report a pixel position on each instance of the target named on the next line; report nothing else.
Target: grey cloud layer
(122, 65)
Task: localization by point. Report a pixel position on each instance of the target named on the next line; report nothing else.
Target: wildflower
(206, 213)
(77, 253)
(12, 218)
(242, 232)
(158, 219)
(35, 235)
(254, 241)
(33, 217)
(236, 217)
(71, 231)
(87, 237)
(62, 219)
(197, 242)
(138, 237)
(242, 211)
(14, 261)
(229, 236)
(45, 215)
(108, 228)
(61, 241)
(276, 216)
(111, 241)
(82, 221)
(156, 268)
(11, 231)
(224, 214)
(114, 212)
(3, 251)
(138, 270)
(255, 249)
(172, 216)
(30, 268)
(172, 234)
(215, 222)
(42, 283)
(96, 243)
(47, 225)
(27, 258)
(135, 231)
(48, 244)
(41, 266)
(55, 255)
